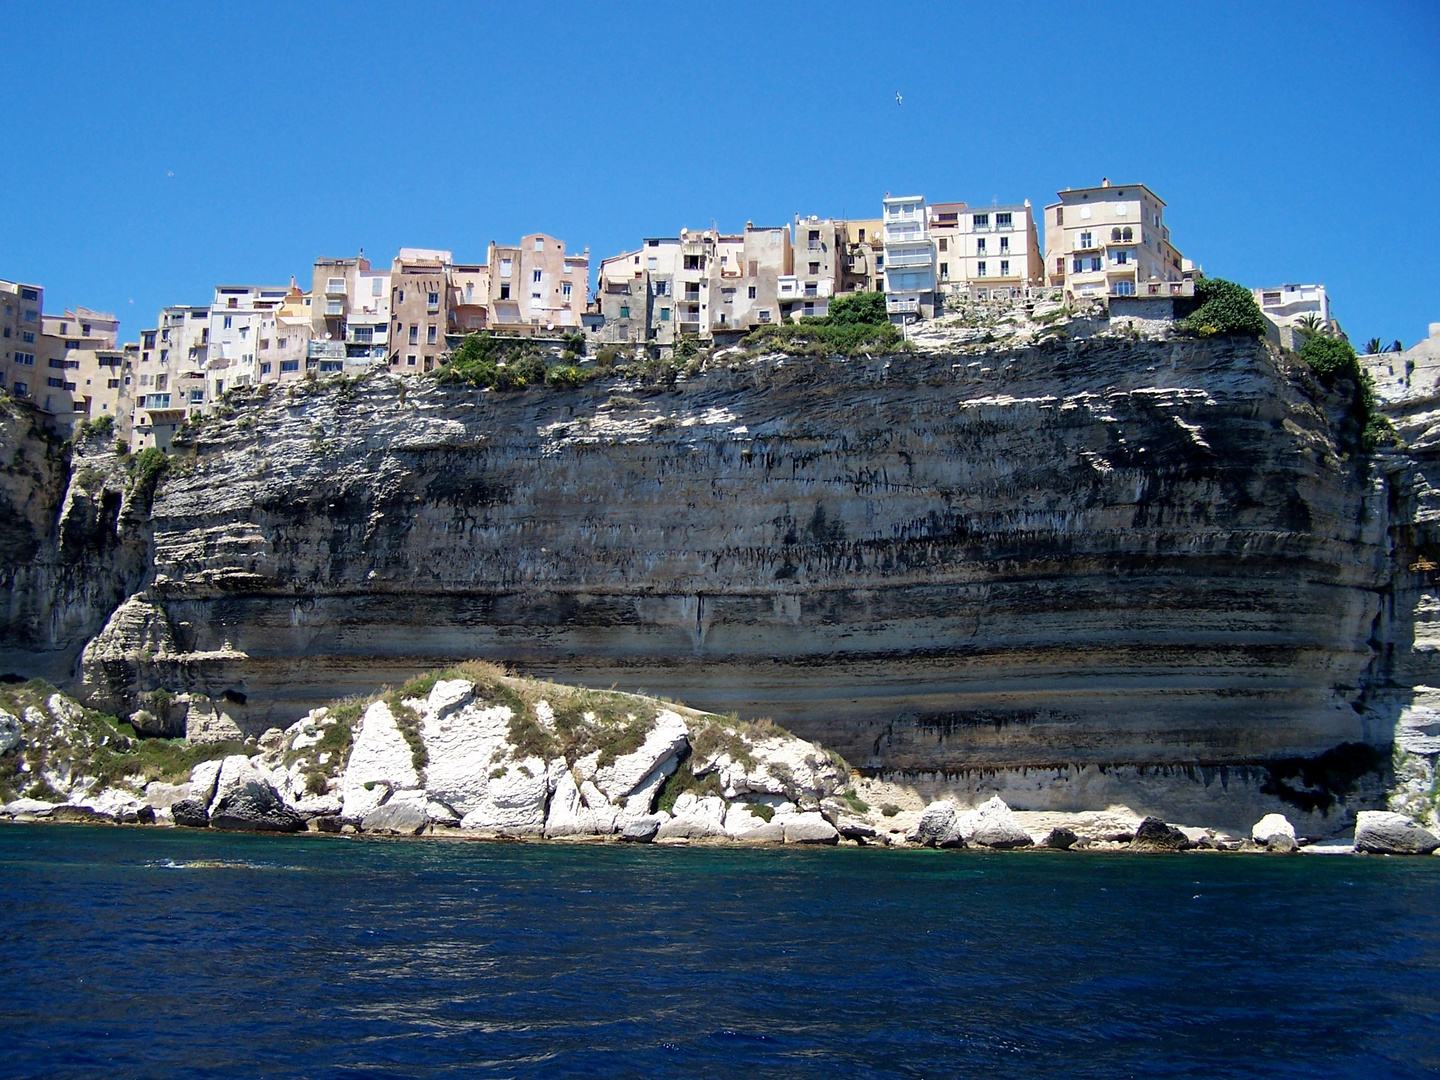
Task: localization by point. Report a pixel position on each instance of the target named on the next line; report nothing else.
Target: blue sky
(1292, 142)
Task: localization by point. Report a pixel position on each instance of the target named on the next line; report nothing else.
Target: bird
(898, 99)
(171, 175)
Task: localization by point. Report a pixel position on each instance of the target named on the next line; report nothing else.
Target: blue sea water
(154, 953)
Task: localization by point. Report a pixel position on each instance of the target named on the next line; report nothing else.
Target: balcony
(902, 305)
(325, 350)
(335, 287)
(912, 257)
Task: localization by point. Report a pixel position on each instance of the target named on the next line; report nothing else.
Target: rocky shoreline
(474, 753)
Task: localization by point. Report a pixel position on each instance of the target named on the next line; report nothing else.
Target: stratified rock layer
(1109, 555)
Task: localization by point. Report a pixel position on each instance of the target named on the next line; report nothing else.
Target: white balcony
(895, 258)
(902, 305)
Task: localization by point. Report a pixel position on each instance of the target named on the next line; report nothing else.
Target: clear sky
(153, 151)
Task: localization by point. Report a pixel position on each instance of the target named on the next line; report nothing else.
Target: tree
(1224, 308)
(867, 308)
(1310, 325)
(1395, 346)
(1374, 347)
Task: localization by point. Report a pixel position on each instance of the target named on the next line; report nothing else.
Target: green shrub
(575, 343)
(865, 308)
(565, 375)
(1338, 368)
(1224, 308)
(484, 361)
(99, 428)
(605, 358)
(147, 469)
(818, 337)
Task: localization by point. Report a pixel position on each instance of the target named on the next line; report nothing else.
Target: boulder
(159, 794)
(252, 805)
(79, 815)
(1155, 835)
(642, 829)
(694, 818)
(29, 807)
(470, 756)
(191, 813)
(146, 816)
(380, 761)
(271, 741)
(809, 828)
(1281, 844)
(1060, 839)
(744, 823)
(1269, 826)
(854, 828)
(114, 803)
(202, 781)
(514, 802)
(631, 777)
(993, 825)
(12, 735)
(447, 695)
(936, 822)
(578, 810)
(400, 816)
(1381, 832)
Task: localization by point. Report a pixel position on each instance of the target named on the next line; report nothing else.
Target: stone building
(817, 267)
(20, 308)
(84, 376)
(241, 317)
(419, 308)
(1109, 241)
(622, 298)
(536, 287)
(985, 253)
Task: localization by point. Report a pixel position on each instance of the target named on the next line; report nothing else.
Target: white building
(1289, 304)
(241, 316)
(909, 257)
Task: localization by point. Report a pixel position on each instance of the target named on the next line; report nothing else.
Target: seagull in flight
(898, 99)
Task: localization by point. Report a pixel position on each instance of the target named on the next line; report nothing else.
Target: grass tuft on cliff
(857, 324)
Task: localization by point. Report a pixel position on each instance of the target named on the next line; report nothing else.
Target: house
(909, 271)
(1109, 241)
(419, 308)
(863, 269)
(241, 317)
(349, 317)
(20, 308)
(536, 287)
(986, 253)
(818, 264)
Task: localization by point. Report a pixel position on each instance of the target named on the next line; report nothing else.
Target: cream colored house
(83, 376)
(1109, 240)
(863, 270)
(20, 308)
(536, 287)
(983, 253)
(419, 308)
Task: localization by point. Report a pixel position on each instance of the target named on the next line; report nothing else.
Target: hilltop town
(1106, 244)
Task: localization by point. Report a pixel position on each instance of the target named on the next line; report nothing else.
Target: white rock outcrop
(1381, 832)
(694, 818)
(11, 733)
(1271, 826)
(380, 763)
(633, 779)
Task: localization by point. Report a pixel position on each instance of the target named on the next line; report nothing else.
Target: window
(944, 244)
(410, 360)
(539, 243)
(764, 314)
(58, 384)
(1060, 265)
(265, 369)
(85, 329)
(980, 268)
(1004, 244)
(402, 296)
(1122, 258)
(944, 271)
(535, 276)
(1087, 240)
(64, 328)
(430, 335)
(1004, 267)
(376, 284)
(692, 262)
(433, 299)
(1096, 263)
(197, 397)
(565, 290)
(1127, 234)
(624, 311)
(664, 314)
(652, 262)
(244, 333)
(264, 344)
(29, 294)
(112, 384)
(980, 246)
(289, 365)
(981, 221)
(1002, 221)
(815, 268)
(752, 292)
(505, 291)
(26, 358)
(879, 262)
(862, 236)
(1114, 236)
(414, 335)
(1124, 288)
(21, 389)
(535, 296)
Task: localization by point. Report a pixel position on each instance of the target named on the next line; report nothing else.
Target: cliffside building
(419, 308)
(20, 307)
(1110, 241)
(864, 266)
(536, 287)
(241, 317)
(909, 271)
(985, 253)
(82, 365)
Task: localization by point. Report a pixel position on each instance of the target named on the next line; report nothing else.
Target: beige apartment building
(818, 257)
(419, 308)
(622, 296)
(864, 267)
(284, 352)
(536, 287)
(80, 382)
(1110, 240)
(20, 308)
(170, 375)
(469, 299)
(984, 253)
(349, 316)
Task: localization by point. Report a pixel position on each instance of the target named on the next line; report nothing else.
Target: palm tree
(1395, 346)
(1374, 346)
(1310, 325)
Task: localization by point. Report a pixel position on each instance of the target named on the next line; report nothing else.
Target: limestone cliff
(1068, 570)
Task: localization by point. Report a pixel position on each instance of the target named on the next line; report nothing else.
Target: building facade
(909, 253)
(20, 308)
(419, 308)
(1109, 241)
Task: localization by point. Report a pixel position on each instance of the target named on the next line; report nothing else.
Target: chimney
(1104, 181)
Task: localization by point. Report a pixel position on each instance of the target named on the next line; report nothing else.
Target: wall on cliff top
(1097, 553)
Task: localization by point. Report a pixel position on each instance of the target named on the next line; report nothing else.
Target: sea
(133, 952)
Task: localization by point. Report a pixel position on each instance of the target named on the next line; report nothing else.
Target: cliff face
(1067, 566)
(73, 544)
